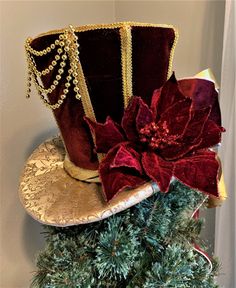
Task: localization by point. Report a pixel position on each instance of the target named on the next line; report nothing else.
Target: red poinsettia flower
(169, 139)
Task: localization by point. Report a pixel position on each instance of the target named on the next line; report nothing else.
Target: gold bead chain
(120, 25)
(62, 96)
(68, 44)
(44, 51)
(73, 54)
(50, 67)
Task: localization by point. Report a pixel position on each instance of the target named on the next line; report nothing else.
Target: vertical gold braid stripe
(169, 73)
(85, 99)
(86, 102)
(126, 63)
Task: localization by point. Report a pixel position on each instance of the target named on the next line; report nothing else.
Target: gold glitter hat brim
(54, 198)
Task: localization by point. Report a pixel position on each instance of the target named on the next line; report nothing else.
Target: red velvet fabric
(127, 158)
(199, 171)
(100, 56)
(117, 177)
(151, 53)
(159, 170)
(107, 135)
(136, 109)
(160, 142)
(203, 94)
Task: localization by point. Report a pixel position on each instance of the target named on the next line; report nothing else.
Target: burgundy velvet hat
(128, 127)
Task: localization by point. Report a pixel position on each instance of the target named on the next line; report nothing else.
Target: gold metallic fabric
(213, 201)
(80, 173)
(52, 197)
(207, 74)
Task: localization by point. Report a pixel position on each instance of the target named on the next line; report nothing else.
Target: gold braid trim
(81, 82)
(86, 102)
(85, 98)
(126, 55)
(107, 26)
(126, 63)
(172, 52)
(120, 25)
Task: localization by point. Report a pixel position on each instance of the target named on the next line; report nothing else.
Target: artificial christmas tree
(148, 245)
(120, 149)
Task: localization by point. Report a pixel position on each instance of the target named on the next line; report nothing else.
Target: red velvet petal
(117, 179)
(158, 169)
(107, 135)
(203, 94)
(155, 100)
(192, 136)
(170, 94)
(199, 171)
(177, 151)
(211, 135)
(144, 115)
(177, 117)
(126, 156)
(196, 124)
(136, 115)
(128, 122)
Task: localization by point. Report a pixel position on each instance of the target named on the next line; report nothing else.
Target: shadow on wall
(33, 240)
(211, 56)
(208, 231)
(40, 139)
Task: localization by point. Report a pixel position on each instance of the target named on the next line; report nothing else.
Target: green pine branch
(148, 245)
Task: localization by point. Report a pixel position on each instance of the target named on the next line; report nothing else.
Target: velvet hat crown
(116, 149)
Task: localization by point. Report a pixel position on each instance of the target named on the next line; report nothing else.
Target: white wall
(200, 25)
(26, 123)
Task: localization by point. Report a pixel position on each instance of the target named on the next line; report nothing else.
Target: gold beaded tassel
(73, 54)
(32, 68)
(68, 48)
(80, 82)
(79, 78)
(29, 83)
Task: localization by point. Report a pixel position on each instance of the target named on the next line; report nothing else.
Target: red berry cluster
(157, 135)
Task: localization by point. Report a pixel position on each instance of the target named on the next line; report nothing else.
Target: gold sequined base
(52, 197)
